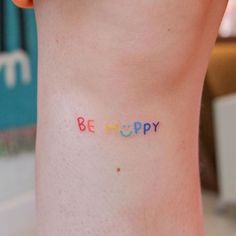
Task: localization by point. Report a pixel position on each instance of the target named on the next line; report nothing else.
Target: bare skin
(125, 60)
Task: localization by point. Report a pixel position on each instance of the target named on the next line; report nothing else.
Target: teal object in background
(18, 66)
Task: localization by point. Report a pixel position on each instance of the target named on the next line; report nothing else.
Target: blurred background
(18, 79)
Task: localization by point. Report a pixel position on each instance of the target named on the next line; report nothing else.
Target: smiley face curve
(126, 131)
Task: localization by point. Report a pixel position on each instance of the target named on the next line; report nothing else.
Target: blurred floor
(218, 224)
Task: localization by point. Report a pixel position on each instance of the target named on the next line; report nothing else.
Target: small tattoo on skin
(124, 130)
(84, 125)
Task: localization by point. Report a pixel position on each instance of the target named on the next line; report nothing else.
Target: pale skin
(110, 60)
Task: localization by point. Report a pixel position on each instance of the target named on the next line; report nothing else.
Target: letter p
(146, 128)
(137, 126)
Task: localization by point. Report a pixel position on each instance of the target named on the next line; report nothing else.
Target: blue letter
(146, 128)
(137, 126)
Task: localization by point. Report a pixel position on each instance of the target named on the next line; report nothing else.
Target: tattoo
(85, 126)
(123, 130)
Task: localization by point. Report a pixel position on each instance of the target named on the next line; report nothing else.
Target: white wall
(17, 210)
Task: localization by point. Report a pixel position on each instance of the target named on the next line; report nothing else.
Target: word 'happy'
(124, 130)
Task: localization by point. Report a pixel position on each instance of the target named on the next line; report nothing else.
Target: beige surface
(217, 224)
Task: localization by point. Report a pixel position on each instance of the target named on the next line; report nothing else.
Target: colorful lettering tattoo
(123, 130)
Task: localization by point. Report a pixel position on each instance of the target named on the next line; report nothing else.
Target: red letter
(91, 126)
(80, 121)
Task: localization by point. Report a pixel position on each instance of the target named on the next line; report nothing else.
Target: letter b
(81, 125)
